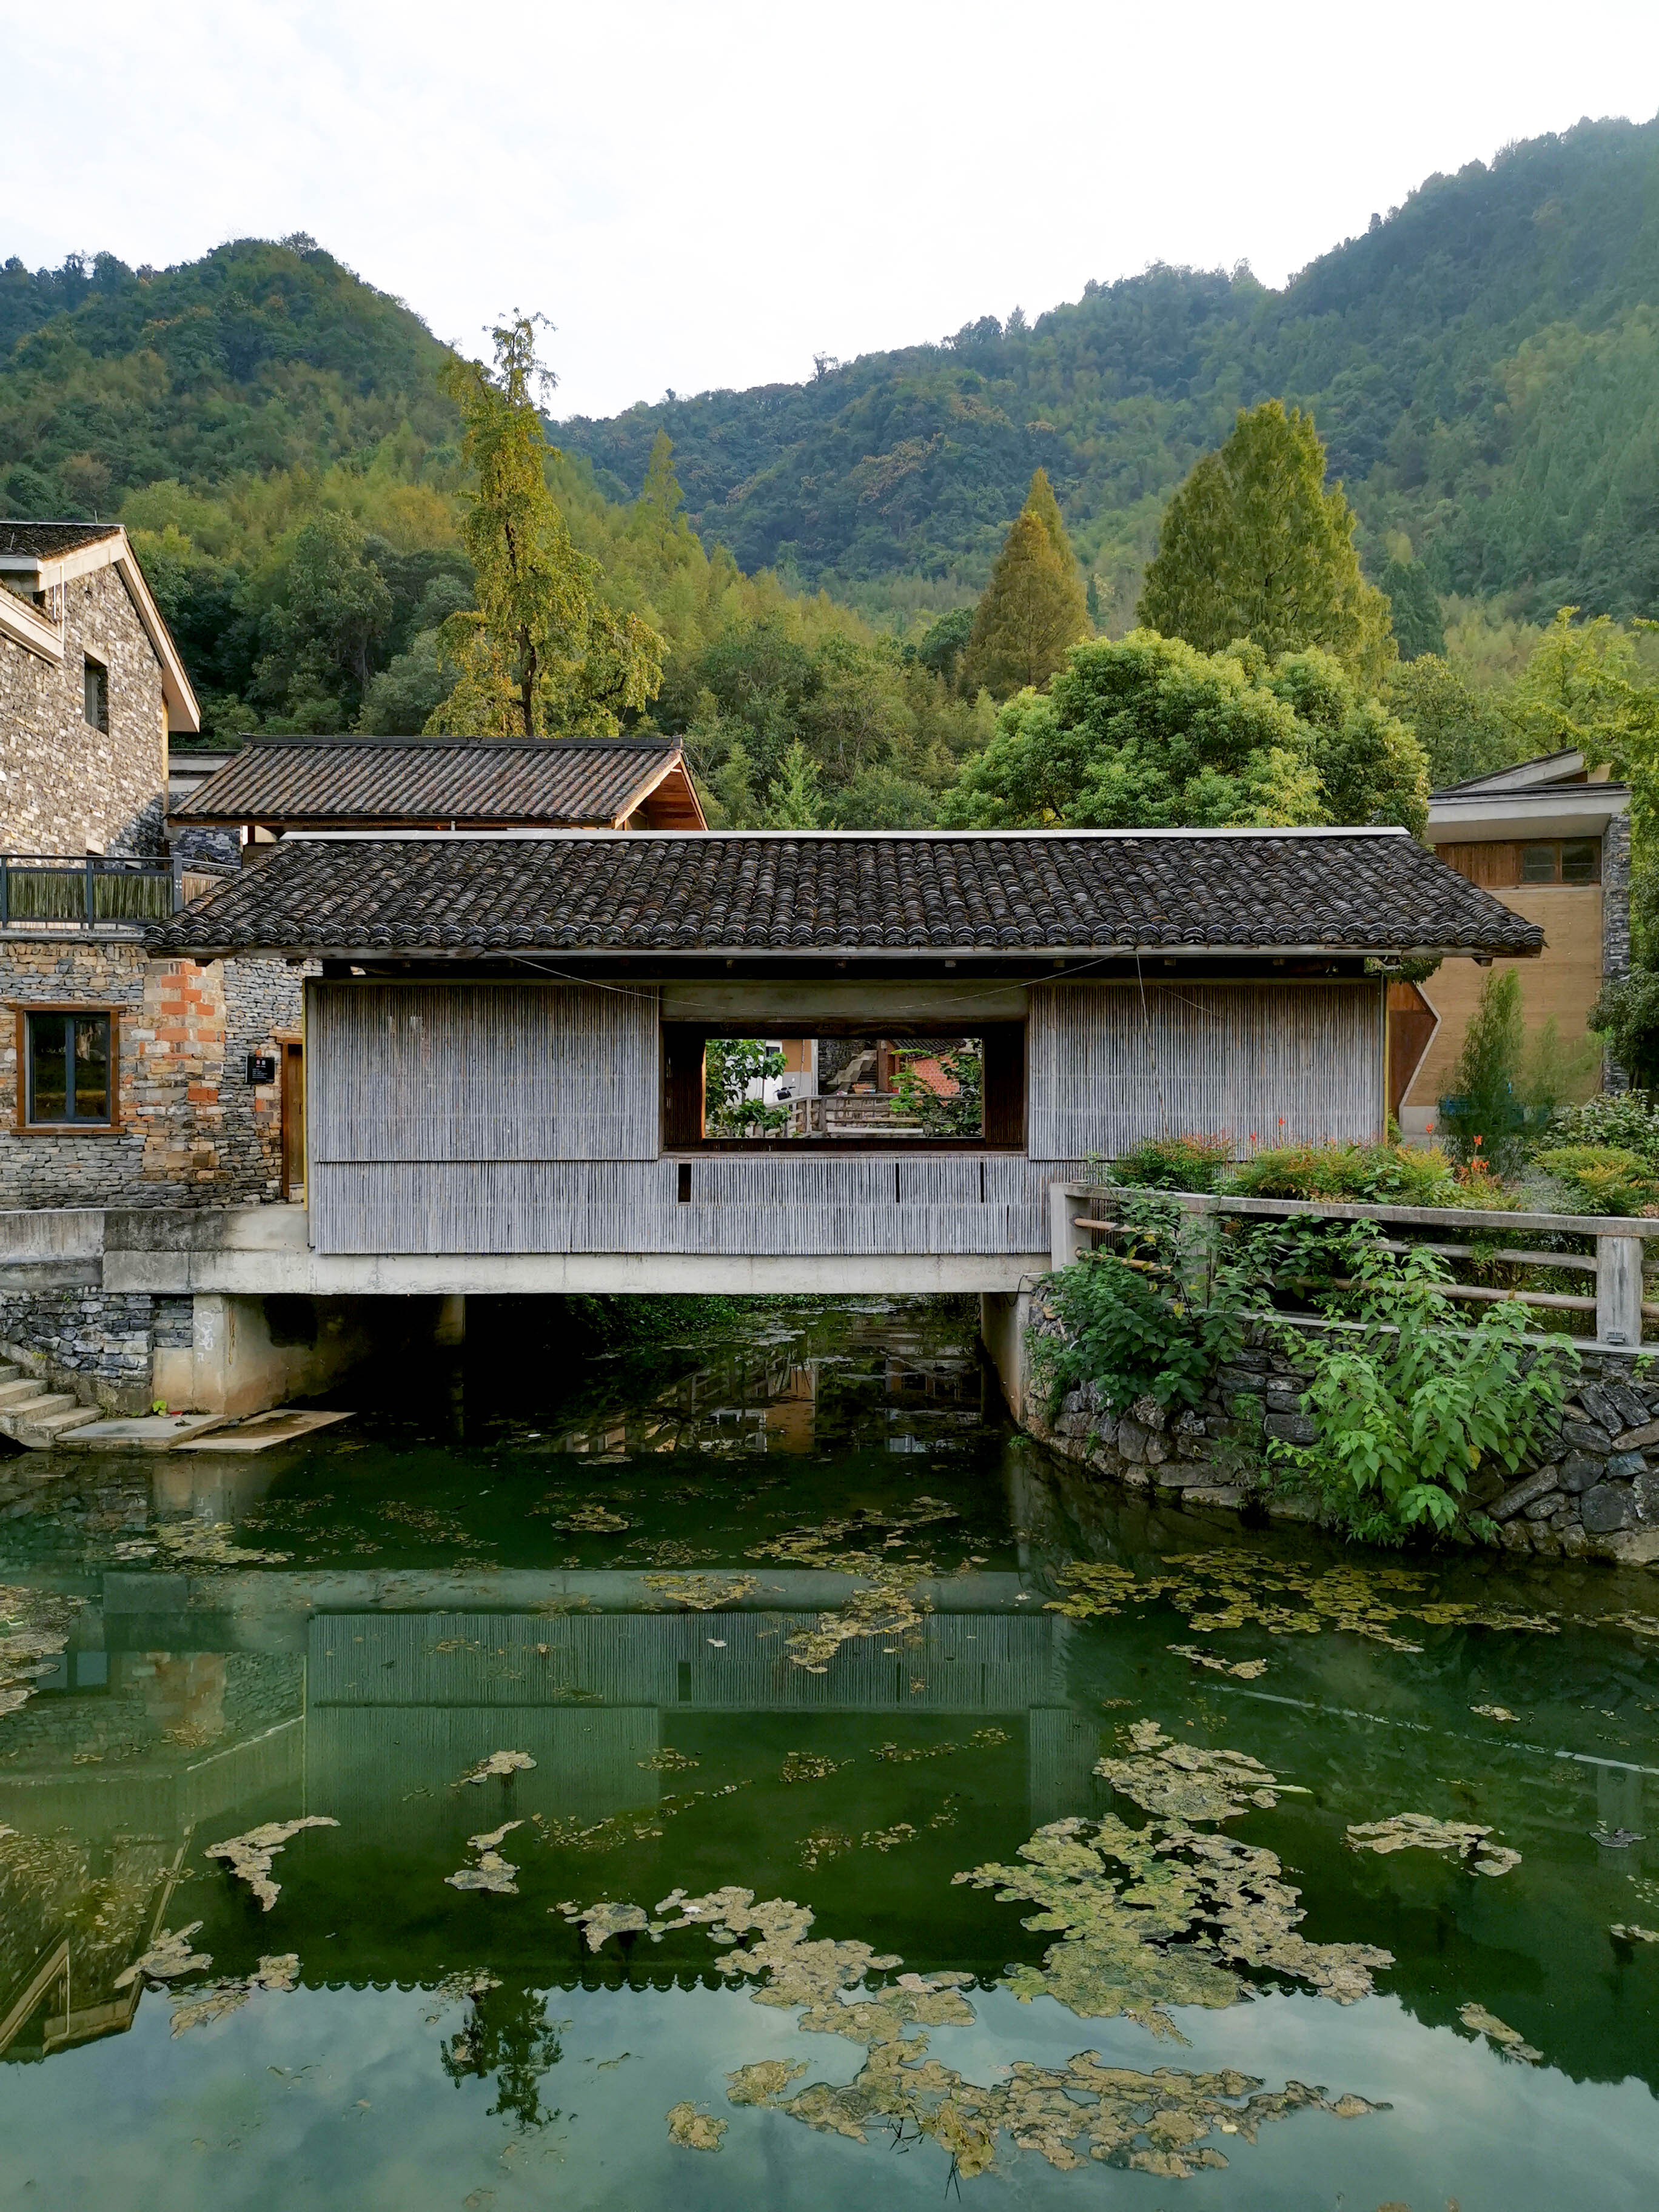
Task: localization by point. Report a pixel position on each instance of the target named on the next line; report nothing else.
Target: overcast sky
(707, 195)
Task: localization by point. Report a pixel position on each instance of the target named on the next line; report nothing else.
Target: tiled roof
(44, 541)
(1267, 891)
(472, 781)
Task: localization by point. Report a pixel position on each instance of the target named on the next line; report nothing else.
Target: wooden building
(1550, 839)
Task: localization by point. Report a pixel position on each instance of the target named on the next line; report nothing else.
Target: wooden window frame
(21, 1009)
(684, 1094)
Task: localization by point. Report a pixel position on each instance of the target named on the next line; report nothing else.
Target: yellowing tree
(1254, 546)
(542, 654)
(1033, 610)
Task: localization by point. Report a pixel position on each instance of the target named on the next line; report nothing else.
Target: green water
(496, 1553)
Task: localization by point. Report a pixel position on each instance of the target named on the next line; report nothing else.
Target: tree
(1033, 608)
(656, 511)
(1414, 609)
(944, 642)
(1483, 1117)
(541, 653)
(333, 611)
(1463, 732)
(1252, 546)
(1146, 731)
(1371, 766)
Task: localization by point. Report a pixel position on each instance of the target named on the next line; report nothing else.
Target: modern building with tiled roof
(273, 785)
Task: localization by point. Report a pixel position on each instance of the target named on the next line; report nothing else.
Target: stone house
(121, 1080)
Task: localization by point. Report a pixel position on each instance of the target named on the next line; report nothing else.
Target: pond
(623, 1728)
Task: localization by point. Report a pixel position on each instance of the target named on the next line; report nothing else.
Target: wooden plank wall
(1111, 1065)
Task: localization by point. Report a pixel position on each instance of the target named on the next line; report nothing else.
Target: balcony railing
(86, 891)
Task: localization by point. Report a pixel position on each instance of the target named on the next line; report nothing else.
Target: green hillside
(1483, 365)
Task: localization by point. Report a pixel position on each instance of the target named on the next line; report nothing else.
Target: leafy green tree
(795, 801)
(541, 654)
(1033, 608)
(1254, 546)
(1482, 1116)
(334, 609)
(1146, 731)
(1463, 732)
(732, 1066)
(1414, 609)
(1628, 1015)
(944, 642)
(961, 1113)
(1370, 765)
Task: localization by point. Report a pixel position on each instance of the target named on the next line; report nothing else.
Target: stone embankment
(1591, 1490)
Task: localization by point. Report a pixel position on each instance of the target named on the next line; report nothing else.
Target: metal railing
(94, 890)
(1612, 1245)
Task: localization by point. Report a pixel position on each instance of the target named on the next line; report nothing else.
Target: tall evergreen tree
(541, 654)
(1418, 626)
(1033, 610)
(1254, 546)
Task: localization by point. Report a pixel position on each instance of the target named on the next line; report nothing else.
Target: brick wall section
(1590, 1491)
(66, 787)
(193, 1131)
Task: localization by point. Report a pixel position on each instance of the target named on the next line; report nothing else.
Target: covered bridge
(507, 1047)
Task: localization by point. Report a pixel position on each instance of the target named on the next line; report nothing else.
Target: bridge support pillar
(248, 1353)
(451, 1321)
(1004, 1318)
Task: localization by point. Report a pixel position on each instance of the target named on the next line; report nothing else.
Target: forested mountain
(1483, 365)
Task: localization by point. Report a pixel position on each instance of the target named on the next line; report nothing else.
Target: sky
(709, 195)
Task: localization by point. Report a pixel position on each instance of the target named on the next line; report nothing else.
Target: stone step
(16, 1393)
(37, 1424)
(8, 1370)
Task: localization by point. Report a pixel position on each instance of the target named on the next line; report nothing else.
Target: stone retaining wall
(100, 1344)
(1591, 1492)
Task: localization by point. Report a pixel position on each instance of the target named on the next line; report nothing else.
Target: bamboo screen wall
(1110, 1065)
(485, 1118)
(479, 1118)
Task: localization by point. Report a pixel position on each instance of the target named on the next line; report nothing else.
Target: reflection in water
(779, 1616)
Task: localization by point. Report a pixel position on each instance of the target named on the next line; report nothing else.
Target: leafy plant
(1367, 1174)
(1190, 1163)
(1152, 1320)
(1408, 1401)
(962, 1114)
(732, 1066)
(1623, 1120)
(1609, 1179)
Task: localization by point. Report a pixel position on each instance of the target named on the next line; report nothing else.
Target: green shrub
(1151, 1321)
(1622, 1121)
(1608, 1179)
(1377, 1175)
(1173, 1163)
(1409, 1400)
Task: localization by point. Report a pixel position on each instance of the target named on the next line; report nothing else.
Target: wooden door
(294, 1119)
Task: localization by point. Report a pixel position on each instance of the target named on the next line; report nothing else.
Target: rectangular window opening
(1581, 860)
(68, 1070)
(1539, 863)
(683, 1192)
(97, 693)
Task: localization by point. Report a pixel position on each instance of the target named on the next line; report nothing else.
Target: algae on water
(249, 1857)
(1459, 1839)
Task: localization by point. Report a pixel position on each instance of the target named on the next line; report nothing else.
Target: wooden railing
(1080, 1214)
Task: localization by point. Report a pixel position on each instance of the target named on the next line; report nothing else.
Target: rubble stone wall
(191, 1130)
(1591, 1490)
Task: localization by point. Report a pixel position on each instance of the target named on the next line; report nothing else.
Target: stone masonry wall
(100, 1344)
(1592, 1489)
(66, 787)
(191, 1130)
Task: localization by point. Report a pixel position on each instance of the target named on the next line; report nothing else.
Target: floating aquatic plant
(249, 1857)
(1243, 1670)
(34, 1629)
(502, 1765)
(1508, 2040)
(703, 1593)
(1461, 1839)
(1187, 1782)
(808, 1766)
(1157, 2123)
(490, 1871)
(167, 1957)
(196, 2008)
